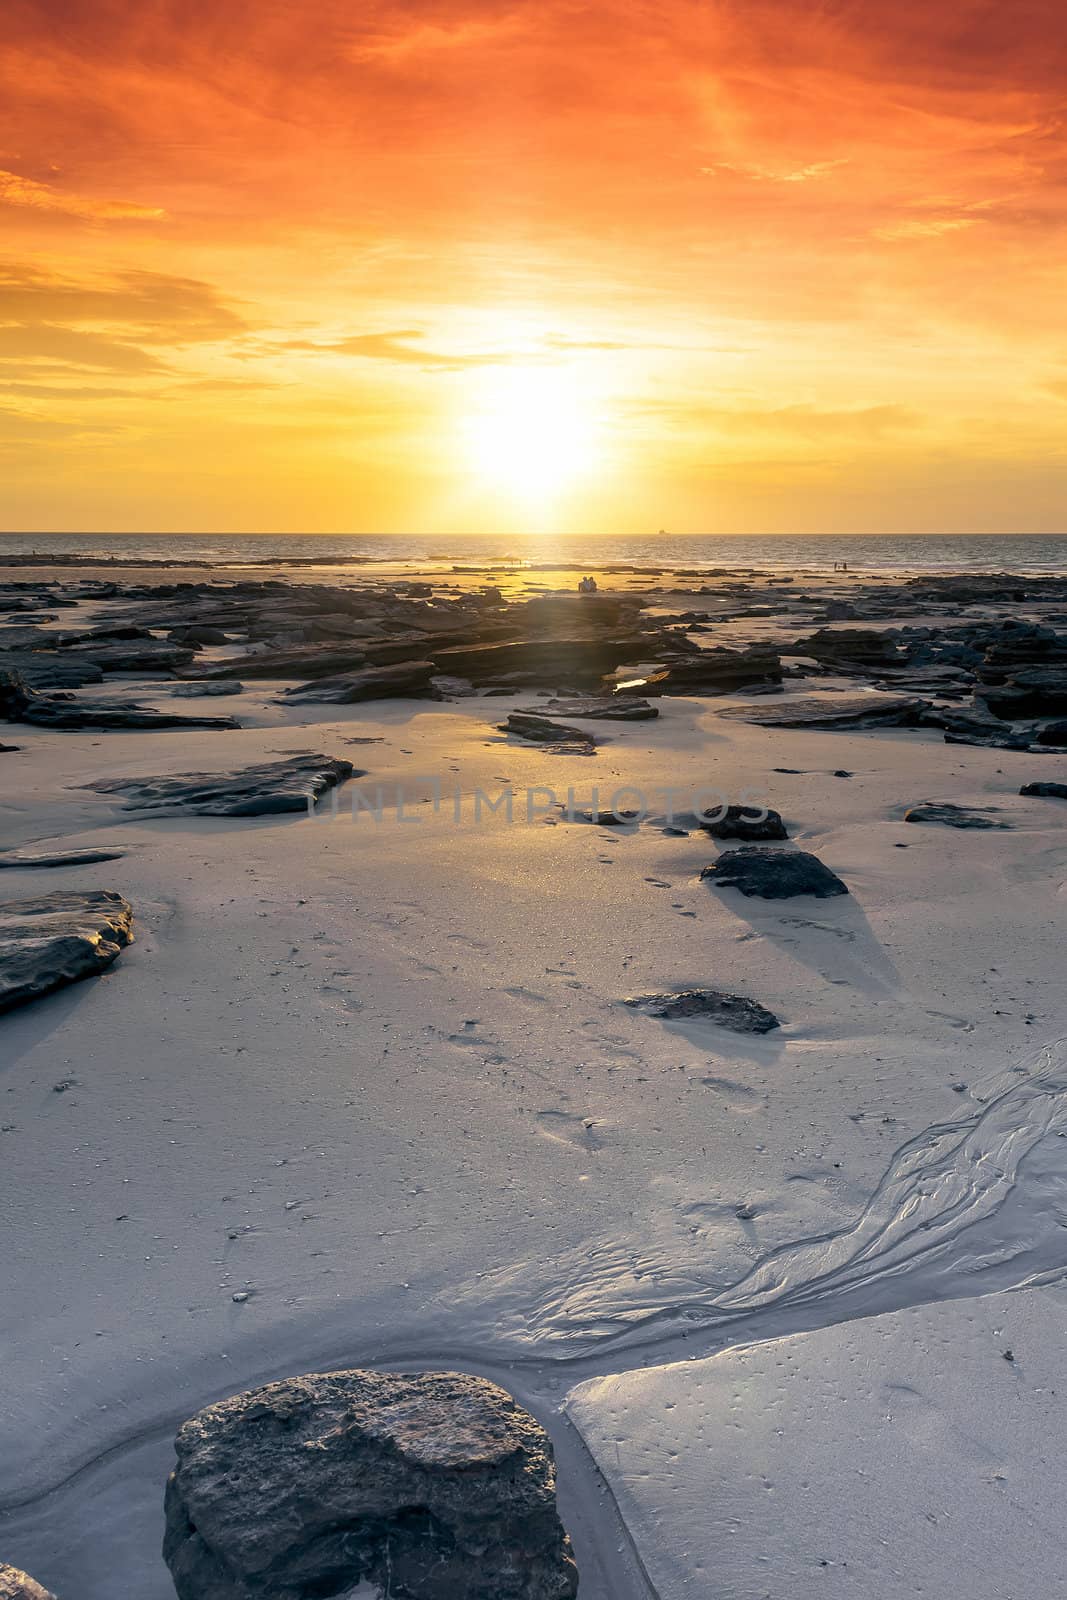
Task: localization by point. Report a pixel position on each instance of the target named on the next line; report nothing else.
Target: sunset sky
(713, 265)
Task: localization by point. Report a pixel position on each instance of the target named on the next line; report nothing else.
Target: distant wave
(796, 553)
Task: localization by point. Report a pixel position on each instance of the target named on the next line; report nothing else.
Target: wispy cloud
(924, 228)
(73, 347)
(757, 174)
(16, 190)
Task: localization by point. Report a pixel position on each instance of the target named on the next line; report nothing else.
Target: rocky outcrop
(372, 683)
(745, 822)
(718, 671)
(51, 940)
(16, 1585)
(579, 661)
(273, 786)
(839, 711)
(140, 655)
(304, 661)
(728, 1010)
(849, 649)
(773, 874)
(19, 703)
(49, 669)
(436, 1486)
(1031, 692)
(952, 816)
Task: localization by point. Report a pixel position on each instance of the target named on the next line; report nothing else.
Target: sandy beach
(366, 1091)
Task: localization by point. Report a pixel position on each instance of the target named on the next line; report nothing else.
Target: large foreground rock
(16, 1585)
(731, 1011)
(55, 939)
(434, 1486)
(273, 786)
(774, 874)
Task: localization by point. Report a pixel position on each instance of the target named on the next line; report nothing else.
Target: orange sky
(714, 265)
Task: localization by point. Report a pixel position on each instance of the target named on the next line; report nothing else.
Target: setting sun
(533, 433)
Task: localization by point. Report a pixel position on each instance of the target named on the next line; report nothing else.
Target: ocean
(885, 553)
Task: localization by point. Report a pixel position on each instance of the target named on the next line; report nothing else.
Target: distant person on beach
(587, 586)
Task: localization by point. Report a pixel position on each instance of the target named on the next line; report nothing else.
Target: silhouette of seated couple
(587, 586)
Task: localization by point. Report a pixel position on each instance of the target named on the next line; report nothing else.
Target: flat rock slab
(21, 703)
(434, 1485)
(845, 711)
(54, 939)
(214, 686)
(774, 874)
(274, 786)
(48, 669)
(744, 822)
(950, 816)
(728, 1010)
(16, 1585)
(1048, 791)
(57, 858)
(370, 683)
(543, 730)
(622, 708)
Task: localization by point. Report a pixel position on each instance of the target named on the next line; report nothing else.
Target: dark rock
(975, 727)
(18, 703)
(50, 669)
(715, 672)
(951, 816)
(141, 655)
(543, 730)
(849, 648)
(744, 822)
(610, 708)
(274, 786)
(1032, 692)
(55, 939)
(728, 1010)
(57, 858)
(842, 711)
(307, 661)
(773, 874)
(1053, 733)
(199, 633)
(581, 661)
(445, 688)
(216, 686)
(371, 683)
(1047, 791)
(16, 1585)
(431, 1485)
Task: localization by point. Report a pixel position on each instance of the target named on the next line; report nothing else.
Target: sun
(532, 432)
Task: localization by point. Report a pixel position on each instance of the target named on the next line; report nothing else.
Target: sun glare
(533, 433)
